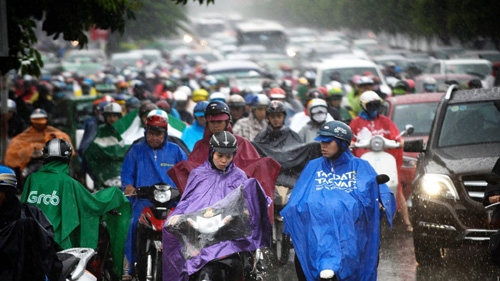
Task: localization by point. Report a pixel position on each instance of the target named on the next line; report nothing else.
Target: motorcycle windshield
(227, 219)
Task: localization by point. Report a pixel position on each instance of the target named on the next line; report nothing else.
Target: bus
(261, 32)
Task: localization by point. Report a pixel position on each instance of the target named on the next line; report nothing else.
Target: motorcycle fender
(384, 163)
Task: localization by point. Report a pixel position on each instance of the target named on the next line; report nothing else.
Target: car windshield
(470, 123)
(420, 115)
(347, 73)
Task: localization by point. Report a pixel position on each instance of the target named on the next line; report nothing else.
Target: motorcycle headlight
(377, 144)
(438, 185)
(162, 196)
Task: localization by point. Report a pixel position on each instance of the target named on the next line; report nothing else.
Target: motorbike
(151, 221)
(101, 264)
(382, 161)
(75, 261)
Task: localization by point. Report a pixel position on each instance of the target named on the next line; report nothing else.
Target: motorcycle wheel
(281, 245)
(156, 268)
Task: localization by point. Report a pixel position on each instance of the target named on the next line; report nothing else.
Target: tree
(69, 19)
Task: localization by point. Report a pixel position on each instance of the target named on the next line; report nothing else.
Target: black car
(449, 184)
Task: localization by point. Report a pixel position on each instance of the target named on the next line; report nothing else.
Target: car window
(479, 70)
(470, 123)
(420, 115)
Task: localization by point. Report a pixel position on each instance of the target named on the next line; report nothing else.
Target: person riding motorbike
(74, 212)
(194, 133)
(27, 246)
(317, 110)
(105, 153)
(249, 127)
(147, 164)
(27, 146)
(215, 180)
(333, 215)
(370, 123)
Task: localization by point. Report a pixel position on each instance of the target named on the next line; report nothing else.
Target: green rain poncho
(75, 213)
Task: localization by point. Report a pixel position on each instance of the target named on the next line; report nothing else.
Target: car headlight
(438, 185)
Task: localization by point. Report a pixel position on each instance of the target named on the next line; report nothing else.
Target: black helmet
(146, 107)
(336, 129)
(276, 106)
(57, 149)
(224, 142)
(7, 177)
(216, 108)
(475, 84)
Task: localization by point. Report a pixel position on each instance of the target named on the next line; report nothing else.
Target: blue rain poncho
(333, 217)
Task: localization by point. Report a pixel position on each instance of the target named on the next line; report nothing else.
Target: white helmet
(260, 100)
(368, 97)
(112, 107)
(180, 95)
(316, 105)
(185, 89)
(217, 96)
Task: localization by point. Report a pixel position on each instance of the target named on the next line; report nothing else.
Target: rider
(370, 123)
(333, 214)
(249, 127)
(209, 183)
(74, 212)
(318, 113)
(146, 164)
(27, 246)
(28, 145)
(194, 133)
(105, 153)
(277, 131)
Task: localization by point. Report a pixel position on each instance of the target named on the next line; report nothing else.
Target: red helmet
(157, 120)
(277, 93)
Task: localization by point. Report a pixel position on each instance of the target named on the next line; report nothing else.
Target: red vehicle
(417, 110)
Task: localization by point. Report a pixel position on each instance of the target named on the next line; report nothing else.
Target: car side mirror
(414, 145)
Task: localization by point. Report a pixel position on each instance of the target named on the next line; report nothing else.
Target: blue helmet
(7, 177)
(199, 109)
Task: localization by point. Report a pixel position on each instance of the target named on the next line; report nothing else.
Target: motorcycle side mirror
(382, 178)
(409, 129)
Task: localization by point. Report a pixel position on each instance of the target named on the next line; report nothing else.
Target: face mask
(319, 117)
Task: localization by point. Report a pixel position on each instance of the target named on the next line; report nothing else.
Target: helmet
(216, 111)
(364, 80)
(224, 142)
(199, 109)
(146, 107)
(57, 149)
(157, 120)
(39, 113)
(217, 96)
(369, 100)
(316, 105)
(200, 95)
(336, 129)
(260, 100)
(112, 108)
(180, 95)
(7, 177)
(315, 94)
(276, 107)
(132, 104)
(286, 85)
(162, 104)
(336, 93)
(277, 93)
(475, 84)
(236, 101)
(185, 89)
(400, 88)
(11, 105)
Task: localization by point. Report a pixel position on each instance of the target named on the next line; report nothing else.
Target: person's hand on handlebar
(129, 190)
(494, 199)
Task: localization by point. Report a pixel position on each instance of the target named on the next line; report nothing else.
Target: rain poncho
(192, 134)
(144, 166)
(76, 213)
(286, 147)
(333, 218)
(264, 169)
(22, 146)
(206, 187)
(105, 154)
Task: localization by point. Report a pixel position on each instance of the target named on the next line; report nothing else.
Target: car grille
(474, 186)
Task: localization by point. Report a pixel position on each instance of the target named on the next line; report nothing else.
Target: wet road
(397, 262)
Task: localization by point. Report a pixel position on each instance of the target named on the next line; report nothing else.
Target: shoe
(409, 228)
(326, 274)
(126, 277)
